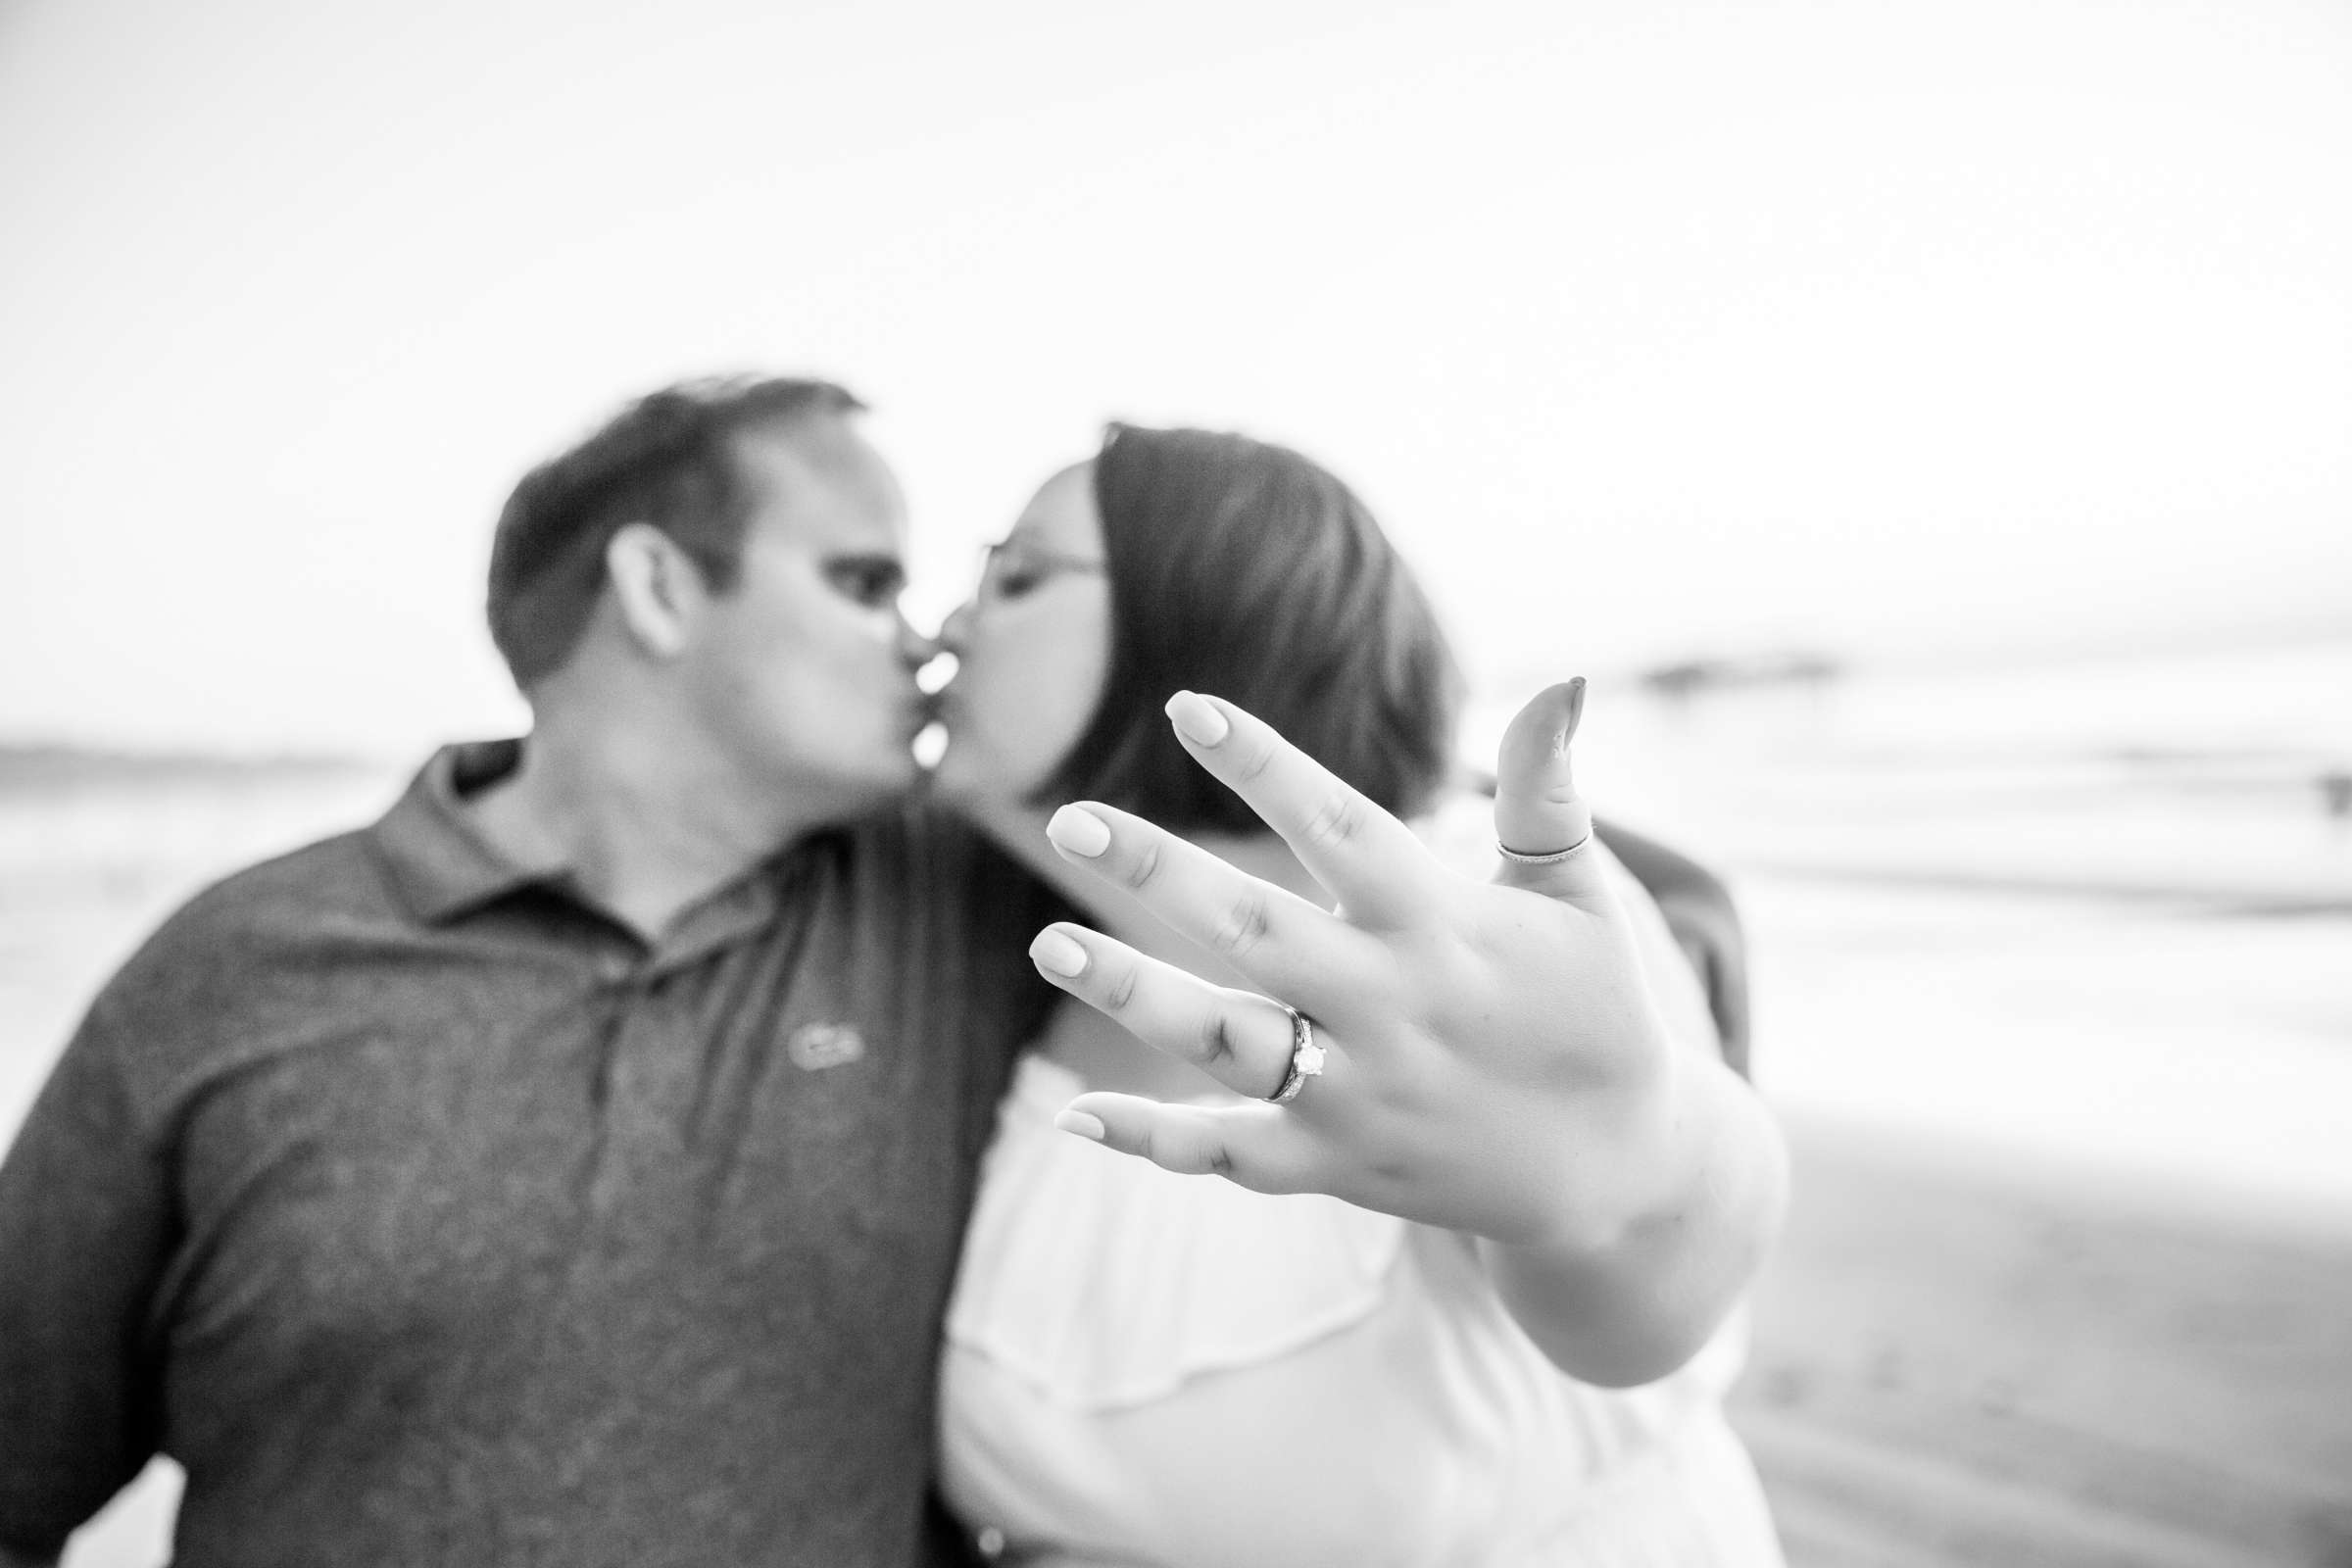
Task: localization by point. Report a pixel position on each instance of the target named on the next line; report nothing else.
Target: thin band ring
(1553, 858)
(1307, 1057)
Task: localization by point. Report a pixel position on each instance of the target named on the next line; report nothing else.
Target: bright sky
(1651, 329)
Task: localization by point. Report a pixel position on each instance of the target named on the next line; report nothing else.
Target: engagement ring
(1307, 1057)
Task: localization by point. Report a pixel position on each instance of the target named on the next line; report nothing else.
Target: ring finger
(1238, 1038)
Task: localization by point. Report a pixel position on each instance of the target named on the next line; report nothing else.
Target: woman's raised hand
(1494, 1062)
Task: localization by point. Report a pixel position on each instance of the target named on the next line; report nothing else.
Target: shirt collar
(440, 860)
(444, 866)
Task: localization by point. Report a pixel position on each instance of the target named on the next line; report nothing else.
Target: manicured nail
(1079, 831)
(1200, 722)
(1079, 1122)
(1058, 953)
(1576, 712)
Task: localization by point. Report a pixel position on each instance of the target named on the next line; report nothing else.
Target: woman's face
(1032, 647)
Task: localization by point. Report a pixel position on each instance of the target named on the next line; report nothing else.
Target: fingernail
(1576, 712)
(1079, 1122)
(1055, 952)
(1200, 720)
(1079, 831)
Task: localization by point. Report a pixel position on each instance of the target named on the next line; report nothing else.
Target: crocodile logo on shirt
(824, 1045)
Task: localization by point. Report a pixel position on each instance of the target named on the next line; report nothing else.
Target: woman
(1145, 1369)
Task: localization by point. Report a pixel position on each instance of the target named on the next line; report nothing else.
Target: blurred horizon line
(51, 753)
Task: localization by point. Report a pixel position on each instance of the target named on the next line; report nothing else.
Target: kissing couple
(688, 1134)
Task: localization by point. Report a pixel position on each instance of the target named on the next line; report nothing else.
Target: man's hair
(1244, 569)
(665, 460)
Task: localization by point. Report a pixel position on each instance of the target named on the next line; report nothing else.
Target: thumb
(1537, 809)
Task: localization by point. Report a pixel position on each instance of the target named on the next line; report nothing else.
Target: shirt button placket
(625, 1111)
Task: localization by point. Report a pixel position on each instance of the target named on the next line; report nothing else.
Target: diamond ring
(1307, 1057)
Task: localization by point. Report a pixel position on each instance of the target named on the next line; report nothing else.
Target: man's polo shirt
(428, 1215)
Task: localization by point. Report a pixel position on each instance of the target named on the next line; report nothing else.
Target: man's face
(802, 674)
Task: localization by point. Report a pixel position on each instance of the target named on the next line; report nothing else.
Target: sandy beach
(1961, 1364)
(2064, 1057)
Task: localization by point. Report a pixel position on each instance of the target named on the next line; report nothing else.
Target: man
(570, 1167)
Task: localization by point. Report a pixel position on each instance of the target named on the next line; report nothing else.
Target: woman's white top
(1144, 1368)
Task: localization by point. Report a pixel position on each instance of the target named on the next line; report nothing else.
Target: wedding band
(1306, 1058)
(1553, 858)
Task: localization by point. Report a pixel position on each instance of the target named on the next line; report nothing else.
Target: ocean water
(2094, 916)
(2199, 776)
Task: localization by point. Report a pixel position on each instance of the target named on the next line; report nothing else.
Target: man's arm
(1700, 911)
(84, 1227)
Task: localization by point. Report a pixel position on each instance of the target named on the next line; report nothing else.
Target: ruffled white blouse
(1144, 1368)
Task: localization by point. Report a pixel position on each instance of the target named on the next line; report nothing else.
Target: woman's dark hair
(668, 459)
(1244, 571)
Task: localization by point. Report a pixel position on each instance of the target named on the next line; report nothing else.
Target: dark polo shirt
(427, 1215)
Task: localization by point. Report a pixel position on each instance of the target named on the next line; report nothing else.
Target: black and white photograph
(1274, 785)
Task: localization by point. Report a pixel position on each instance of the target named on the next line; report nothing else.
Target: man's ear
(658, 588)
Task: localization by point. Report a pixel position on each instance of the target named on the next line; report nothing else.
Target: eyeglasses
(1011, 568)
